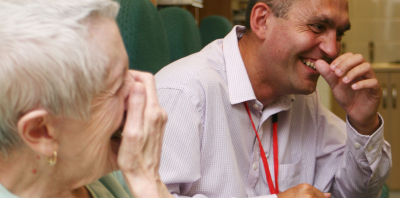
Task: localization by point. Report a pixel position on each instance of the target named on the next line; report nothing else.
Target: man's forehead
(333, 13)
(317, 5)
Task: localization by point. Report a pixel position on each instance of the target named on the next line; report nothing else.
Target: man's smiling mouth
(308, 64)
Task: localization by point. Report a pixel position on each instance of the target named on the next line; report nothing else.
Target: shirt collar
(239, 85)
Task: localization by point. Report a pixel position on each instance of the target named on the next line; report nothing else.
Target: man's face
(312, 30)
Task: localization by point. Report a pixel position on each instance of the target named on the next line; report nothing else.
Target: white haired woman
(66, 95)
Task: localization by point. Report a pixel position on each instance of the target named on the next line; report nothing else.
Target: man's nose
(330, 45)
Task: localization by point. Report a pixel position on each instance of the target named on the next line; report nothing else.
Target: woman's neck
(27, 174)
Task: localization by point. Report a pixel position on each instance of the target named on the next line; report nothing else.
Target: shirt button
(256, 106)
(255, 166)
(357, 145)
(370, 148)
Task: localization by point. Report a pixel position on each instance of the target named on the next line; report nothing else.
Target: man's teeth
(309, 64)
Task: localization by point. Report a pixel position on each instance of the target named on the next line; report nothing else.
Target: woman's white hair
(47, 60)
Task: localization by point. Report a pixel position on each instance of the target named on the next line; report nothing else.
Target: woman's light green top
(107, 186)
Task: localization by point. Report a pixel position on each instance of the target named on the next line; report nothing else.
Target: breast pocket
(290, 175)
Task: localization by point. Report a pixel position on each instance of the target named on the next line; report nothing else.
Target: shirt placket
(256, 167)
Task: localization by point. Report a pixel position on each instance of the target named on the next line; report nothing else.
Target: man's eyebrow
(346, 28)
(326, 20)
(322, 19)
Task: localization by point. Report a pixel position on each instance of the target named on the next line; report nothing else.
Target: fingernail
(333, 66)
(338, 72)
(354, 86)
(345, 79)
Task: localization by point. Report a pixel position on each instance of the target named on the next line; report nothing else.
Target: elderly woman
(66, 95)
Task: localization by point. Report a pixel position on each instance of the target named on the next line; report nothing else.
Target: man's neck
(264, 91)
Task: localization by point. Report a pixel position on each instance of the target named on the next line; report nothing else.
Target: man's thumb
(325, 71)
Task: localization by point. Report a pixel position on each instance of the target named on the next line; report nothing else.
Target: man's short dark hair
(278, 7)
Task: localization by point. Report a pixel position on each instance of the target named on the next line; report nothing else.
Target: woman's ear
(34, 130)
(259, 18)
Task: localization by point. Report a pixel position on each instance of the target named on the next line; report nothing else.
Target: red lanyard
(262, 153)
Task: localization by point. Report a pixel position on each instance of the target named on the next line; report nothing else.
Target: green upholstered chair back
(385, 192)
(144, 35)
(214, 27)
(182, 32)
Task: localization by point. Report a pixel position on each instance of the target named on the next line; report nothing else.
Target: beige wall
(324, 93)
(377, 21)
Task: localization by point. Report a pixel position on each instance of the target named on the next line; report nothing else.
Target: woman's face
(87, 150)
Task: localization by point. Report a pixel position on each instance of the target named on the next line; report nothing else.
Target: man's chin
(306, 90)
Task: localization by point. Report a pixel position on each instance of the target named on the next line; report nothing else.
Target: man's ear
(259, 18)
(34, 129)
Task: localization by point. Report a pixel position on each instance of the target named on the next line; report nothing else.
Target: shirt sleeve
(350, 164)
(180, 157)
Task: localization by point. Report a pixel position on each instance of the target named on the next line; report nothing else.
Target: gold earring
(53, 159)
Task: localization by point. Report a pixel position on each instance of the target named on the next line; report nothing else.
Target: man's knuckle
(305, 186)
(367, 66)
(375, 81)
(359, 56)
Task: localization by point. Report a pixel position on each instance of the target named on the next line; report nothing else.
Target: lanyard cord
(262, 153)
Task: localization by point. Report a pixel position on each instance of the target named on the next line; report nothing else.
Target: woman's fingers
(155, 116)
(134, 135)
(148, 81)
(144, 127)
(140, 150)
